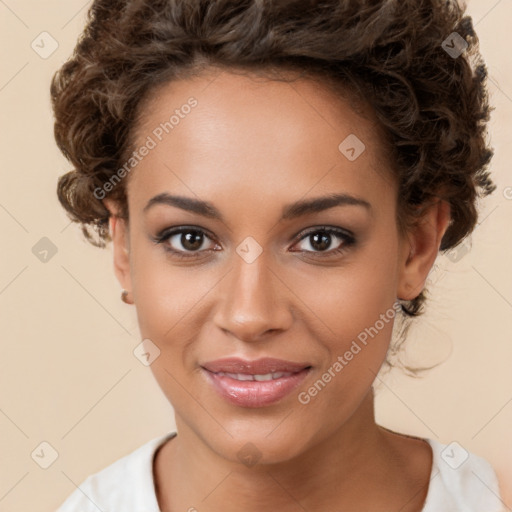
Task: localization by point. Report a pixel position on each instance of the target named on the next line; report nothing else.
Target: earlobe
(126, 297)
(424, 240)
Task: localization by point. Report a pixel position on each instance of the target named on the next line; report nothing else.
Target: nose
(253, 302)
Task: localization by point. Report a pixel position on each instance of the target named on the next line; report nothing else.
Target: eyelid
(341, 232)
(168, 233)
(345, 235)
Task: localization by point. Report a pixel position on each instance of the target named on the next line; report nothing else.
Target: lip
(255, 393)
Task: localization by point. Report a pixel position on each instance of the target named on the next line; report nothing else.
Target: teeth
(267, 376)
(240, 376)
(259, 378)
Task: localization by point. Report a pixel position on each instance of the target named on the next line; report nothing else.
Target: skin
(250, 147)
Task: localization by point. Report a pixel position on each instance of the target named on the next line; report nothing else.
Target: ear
(421, 249)
(121, 245)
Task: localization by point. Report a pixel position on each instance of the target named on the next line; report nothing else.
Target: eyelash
(346, 237)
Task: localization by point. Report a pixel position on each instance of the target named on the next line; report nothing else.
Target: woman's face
(291, 252)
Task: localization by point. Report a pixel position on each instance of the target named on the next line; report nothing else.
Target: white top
(459, 482)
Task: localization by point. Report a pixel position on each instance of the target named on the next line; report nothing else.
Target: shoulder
(127, 484)
(461, 480)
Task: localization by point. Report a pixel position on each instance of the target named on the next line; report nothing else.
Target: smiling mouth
(254, 383)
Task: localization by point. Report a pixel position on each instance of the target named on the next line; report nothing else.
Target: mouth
(254, 383)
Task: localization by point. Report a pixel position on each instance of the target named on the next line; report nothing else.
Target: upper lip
(261, 366)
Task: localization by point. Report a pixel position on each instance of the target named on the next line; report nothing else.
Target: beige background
(68, 375)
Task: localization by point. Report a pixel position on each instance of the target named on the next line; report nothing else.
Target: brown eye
(320, 242)
(323, 240)
(185, 241)
(191, 240)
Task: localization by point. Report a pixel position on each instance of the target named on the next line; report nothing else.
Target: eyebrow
(290, 211)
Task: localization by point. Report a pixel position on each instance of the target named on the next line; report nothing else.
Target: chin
(254, 442)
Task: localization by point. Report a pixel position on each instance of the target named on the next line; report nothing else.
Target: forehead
(222, 133)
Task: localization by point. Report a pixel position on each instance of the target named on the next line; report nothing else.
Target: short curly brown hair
(431, 102)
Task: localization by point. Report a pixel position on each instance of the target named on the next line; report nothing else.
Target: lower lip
(251, 393)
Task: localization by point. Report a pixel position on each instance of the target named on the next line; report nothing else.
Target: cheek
(168, 306)
(357, 304)
(360, 318)
(167, 299)
(351, 298)
(170, 303)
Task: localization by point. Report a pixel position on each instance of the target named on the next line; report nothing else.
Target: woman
(277, 179)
